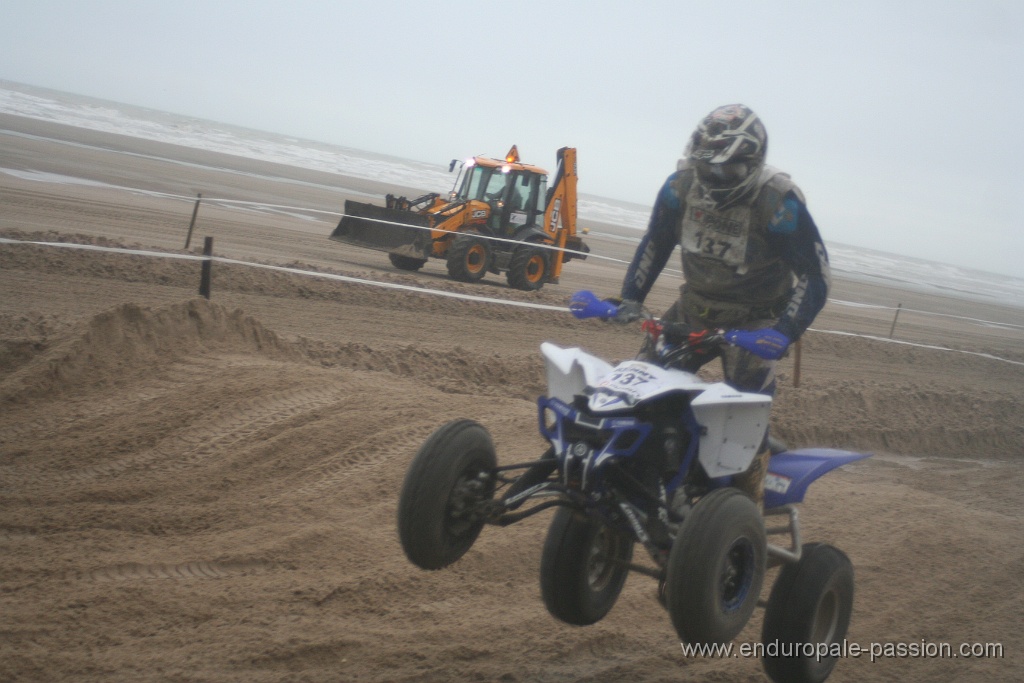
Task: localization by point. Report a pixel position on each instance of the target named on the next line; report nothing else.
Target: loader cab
(524, 201)
(515, 192)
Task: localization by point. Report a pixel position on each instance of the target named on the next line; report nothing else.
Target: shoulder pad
(780, 182)
(681, 180)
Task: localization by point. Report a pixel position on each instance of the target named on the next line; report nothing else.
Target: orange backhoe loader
(502, 218)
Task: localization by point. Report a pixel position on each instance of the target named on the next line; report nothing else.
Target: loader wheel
(469, 257)
(528, 269)
(406, 262)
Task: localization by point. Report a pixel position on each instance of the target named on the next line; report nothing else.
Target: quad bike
(646, 452)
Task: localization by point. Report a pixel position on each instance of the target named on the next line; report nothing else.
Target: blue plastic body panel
(791, 472)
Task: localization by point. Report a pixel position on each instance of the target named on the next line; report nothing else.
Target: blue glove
(628, 311)
(767, 343)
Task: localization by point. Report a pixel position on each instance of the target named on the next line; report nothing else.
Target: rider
(753, 261)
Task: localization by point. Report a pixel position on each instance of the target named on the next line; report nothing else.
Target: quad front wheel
(807, 616)
(451, 476)
(716, 568)
(583, 568)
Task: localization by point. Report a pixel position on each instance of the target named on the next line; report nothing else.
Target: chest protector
(728, 258)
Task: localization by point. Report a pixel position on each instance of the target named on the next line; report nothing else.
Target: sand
(197, 490)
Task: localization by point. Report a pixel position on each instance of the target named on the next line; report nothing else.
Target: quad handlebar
(768, 343)
(670, 344)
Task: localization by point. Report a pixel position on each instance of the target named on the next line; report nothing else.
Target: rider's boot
(751, 482)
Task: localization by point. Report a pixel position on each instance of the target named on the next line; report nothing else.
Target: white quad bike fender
(733, 423)
(570, 371)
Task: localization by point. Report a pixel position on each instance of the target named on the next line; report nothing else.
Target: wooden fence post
(894, 319)
(204, 277)
(192, 225)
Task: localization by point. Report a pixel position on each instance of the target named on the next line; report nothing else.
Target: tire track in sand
(195, 444)
(378, 449)
(135, 571)
(77, 411)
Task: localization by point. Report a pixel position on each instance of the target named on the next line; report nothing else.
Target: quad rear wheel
(583, 567)
(807, 616)
(716, 568)
(439, 515)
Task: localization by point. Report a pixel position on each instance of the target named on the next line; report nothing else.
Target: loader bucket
(392, 230)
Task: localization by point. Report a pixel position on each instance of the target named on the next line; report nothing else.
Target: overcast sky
(900, 119)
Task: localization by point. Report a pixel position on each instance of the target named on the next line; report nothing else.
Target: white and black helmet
(727, 153)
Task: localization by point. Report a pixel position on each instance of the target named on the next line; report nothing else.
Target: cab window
(482, 182)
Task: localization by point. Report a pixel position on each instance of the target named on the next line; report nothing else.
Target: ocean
(855, 263)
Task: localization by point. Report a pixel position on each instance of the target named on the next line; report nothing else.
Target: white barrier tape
(990, 323)
(40, 176)
(220, 200)
(434, 292)
(409, 225)
(225, 201)
(214, 200)
(217, 200)
(296, 271)
(394, 285)
(670, 271)
(920, 346)
(114, 250)
(495, 239)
